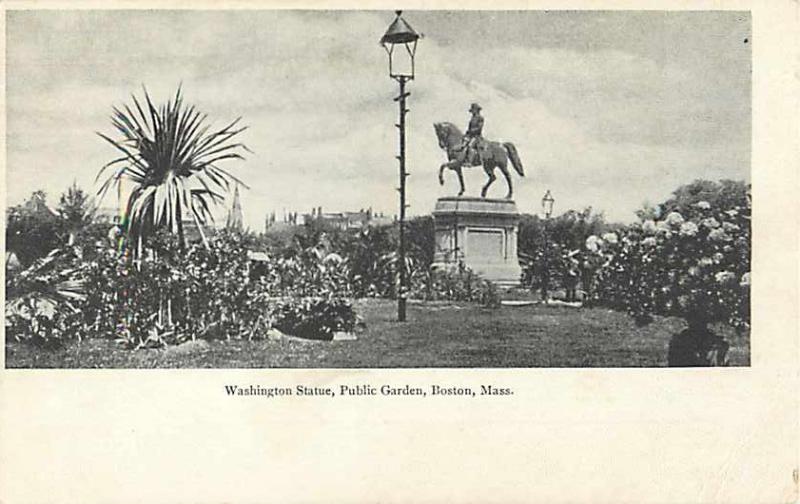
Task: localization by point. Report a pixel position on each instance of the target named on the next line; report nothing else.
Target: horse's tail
(514, 157)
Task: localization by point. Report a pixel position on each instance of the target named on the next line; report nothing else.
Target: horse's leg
(490, 173)
(460, 180)
(441, 173)
(504, 168)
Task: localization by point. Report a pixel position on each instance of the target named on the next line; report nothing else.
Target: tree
(32, 229)
(173, 161)
(721, 194)
(75, 210)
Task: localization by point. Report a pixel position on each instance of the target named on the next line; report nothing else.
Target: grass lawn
(436, 335)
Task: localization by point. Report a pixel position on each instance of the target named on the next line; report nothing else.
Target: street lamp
(547, 209)
(400, 42)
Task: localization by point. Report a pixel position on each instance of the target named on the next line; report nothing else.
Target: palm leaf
(166, 150)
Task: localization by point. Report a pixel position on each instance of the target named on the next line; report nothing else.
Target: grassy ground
(436, 335)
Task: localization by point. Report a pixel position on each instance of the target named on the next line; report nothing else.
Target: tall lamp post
(547, 209)
(400, 42)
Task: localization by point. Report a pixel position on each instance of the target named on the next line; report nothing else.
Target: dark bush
(314, 318)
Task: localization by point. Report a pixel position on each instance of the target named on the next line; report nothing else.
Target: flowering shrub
(171, 294)
(677, 264)
(455, 284)
(561, 260)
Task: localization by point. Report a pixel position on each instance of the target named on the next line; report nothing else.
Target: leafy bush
(314, 318)
(32, 229)
(458, 283)
(678, 265)
(42, 301)
(172, 294)
(563, 256)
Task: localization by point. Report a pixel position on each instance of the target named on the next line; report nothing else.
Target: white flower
(718, 235)
(694, 271)
(649, 226)
(725, 277)
(745, 281)
(649, 241)
(718, 257)
(705, 261)
(703, 205)
(610, 238)
(688, 229)
(731, 213)
(711, 223)
(730, 226)
(674, 218)
(593, 243)
(663, 229)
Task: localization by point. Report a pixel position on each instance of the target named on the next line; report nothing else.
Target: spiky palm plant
(172, 158)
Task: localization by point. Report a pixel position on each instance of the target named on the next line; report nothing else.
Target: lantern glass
(400, 43)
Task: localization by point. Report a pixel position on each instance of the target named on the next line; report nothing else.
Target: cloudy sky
(607, 109)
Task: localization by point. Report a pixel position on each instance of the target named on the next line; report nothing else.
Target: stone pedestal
(482, 233)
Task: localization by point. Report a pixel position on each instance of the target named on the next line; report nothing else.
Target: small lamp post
(547, 209)
(400, 42)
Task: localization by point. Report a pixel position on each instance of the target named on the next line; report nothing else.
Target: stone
(274, 334)
(480, 232)
(189, 347)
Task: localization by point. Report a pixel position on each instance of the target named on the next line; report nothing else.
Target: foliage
(458, 283)
(32, 229)
(695, 262)
(723, 194)
(75, 209)
(369, 253)
(173, 161)
(314, 318)
(563, 257)
(172, 294)
(43, 300)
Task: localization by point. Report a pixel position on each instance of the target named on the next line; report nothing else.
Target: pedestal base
(480, 232)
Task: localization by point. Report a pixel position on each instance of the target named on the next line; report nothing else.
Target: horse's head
(447, 133)
(438, 128)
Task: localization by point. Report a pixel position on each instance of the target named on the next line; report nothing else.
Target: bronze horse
(493, 155)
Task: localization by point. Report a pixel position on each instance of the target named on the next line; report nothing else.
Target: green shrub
(690, 261)
(314, 318)
(43, 301)
(458, 283)
(172, 294)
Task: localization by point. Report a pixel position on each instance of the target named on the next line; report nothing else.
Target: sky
(607, 109)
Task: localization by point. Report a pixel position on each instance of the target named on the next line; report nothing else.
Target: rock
(516, 302)
(344, 336)
(189, 347)
(275, 335)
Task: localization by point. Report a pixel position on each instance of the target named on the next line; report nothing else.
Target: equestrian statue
(470, 149)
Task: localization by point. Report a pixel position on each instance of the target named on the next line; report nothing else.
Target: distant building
(348, 220)
(235, 218)
(107, 215)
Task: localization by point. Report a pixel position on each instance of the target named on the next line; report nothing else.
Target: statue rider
(473, 135)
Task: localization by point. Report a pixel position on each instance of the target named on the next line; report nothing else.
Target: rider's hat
(474, 107)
